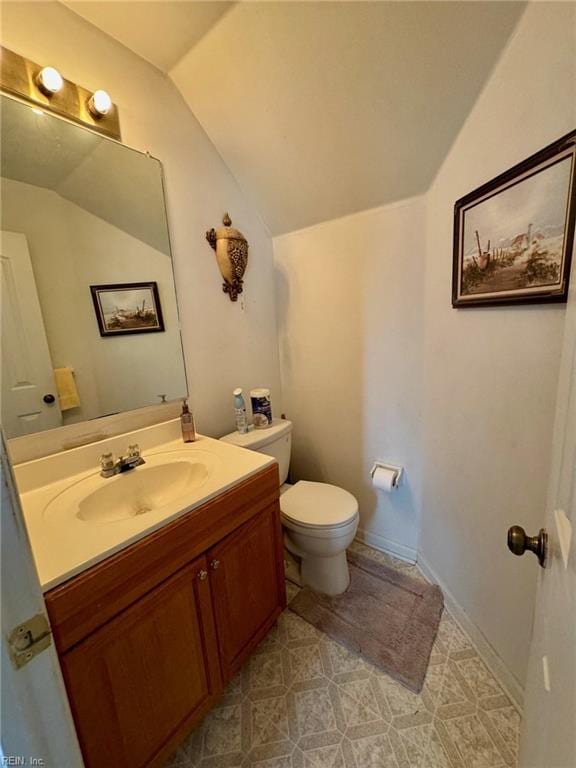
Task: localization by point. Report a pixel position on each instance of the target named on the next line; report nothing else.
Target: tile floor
(302, 701)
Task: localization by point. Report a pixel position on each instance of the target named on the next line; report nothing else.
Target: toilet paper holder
(392, 467)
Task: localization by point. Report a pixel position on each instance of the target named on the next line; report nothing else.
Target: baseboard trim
(388, 546)
(484, 648)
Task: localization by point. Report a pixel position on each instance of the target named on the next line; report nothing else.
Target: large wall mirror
(89, 316)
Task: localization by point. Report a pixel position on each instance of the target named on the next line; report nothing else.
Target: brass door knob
(214, 564)
(519, 542)
(202, 575)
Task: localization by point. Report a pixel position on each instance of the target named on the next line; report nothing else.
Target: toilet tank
(275, 440)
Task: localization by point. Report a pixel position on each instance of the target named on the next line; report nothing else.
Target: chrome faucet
(109, 467)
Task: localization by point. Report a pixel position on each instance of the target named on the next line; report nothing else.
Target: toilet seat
(318, 506)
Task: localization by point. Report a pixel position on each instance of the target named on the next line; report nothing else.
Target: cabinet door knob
(214, 564)
(202, 575)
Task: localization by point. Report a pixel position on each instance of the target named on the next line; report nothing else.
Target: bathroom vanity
(160, 581)
(149, 635)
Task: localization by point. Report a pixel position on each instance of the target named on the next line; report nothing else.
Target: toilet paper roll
(384, 479)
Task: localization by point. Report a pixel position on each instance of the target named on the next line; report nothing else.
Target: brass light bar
(18, 76)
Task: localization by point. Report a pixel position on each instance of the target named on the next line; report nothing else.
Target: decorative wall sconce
(46, 88)
(231, 254)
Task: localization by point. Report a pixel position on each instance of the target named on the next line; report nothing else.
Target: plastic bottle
(187, 424)
(261, 407)
(240, 411)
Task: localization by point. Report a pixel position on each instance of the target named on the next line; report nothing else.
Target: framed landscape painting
(127, 308)
(513, 236)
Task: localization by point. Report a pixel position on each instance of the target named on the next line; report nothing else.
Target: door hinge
(29, 639)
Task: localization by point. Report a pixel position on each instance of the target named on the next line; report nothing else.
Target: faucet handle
(107, 461)
(134, 451)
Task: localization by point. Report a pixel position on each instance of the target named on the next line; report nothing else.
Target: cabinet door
(139, 683)
(247, 579)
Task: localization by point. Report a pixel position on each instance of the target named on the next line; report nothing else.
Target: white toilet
(319, 520)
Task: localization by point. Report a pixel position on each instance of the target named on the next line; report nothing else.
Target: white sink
(142, 491)
(76, 518)
(151, 487)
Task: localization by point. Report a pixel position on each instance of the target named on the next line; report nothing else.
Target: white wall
(491, 374)
(226, 345)
(350, 296)
(70, 250)
(376, 363)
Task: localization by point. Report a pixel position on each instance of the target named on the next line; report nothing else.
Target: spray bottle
(240, 411)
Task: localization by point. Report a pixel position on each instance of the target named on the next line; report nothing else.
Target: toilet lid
(318, 504)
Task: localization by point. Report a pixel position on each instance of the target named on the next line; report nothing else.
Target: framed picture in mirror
(126, 308)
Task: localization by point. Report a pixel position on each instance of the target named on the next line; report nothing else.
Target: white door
(35, 718)
(29, 397)
(548, 737)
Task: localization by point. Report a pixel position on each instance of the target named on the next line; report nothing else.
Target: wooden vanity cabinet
(148, 638)
(146, 673)
(245, 589)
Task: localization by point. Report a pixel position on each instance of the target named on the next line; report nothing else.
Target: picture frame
(127, 308)
(514, 235)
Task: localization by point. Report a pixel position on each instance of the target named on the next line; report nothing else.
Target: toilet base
(327, 575)
(323, 563)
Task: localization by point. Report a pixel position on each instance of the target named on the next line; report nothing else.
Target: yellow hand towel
(66, 386)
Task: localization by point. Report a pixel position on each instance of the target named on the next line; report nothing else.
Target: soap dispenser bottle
(187, 424)
(240, 411)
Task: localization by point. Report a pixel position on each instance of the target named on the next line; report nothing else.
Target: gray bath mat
(390, 618)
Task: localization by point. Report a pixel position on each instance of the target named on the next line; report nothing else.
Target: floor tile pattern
(303, 701)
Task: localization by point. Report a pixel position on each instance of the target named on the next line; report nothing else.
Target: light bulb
(49, 81)
(100, 103)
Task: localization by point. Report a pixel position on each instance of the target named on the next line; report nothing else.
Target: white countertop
(65, 546)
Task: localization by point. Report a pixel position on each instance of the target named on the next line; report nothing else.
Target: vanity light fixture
(100, 103)
(44, 88)
(49, 81)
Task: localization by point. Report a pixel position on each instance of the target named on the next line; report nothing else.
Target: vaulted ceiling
(161, 31)
(321, 109)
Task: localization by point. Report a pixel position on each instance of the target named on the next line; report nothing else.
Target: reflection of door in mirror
(93, 215)
(27, 375)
